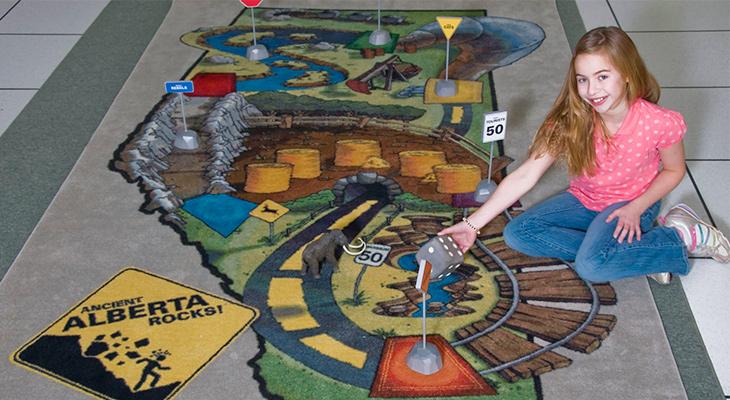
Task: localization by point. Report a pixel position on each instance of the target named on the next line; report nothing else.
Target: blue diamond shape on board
(221, 212)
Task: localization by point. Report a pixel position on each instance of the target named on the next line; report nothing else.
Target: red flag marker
(251, 3)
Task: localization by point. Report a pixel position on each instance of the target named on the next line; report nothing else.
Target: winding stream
(281, 74)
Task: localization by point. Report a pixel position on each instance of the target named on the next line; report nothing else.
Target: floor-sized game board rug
(328, 136)
(313, 140)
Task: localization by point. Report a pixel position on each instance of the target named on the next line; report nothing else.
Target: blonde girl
(623, 153)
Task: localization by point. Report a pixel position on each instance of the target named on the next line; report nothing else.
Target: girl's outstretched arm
(671, 174)
(512, 187)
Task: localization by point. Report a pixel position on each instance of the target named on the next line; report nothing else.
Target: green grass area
(288, 103)
(309, 78)
(290, 64)
(430, 60)
(376, 279)
(238, 255)
(246, 39)
(241, 66)
(363, 42)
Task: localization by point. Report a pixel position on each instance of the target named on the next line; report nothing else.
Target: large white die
(443, 254)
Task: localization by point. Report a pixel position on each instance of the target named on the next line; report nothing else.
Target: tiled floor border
(690, 354)
(64, 114)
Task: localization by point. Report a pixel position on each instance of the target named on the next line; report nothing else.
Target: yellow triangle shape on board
(449, 25)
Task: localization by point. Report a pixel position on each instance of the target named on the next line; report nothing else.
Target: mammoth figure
(323, 250)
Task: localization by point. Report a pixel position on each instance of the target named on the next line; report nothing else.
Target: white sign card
(374, 255)
(495, 126)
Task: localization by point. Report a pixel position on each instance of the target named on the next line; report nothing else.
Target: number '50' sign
(495, 125)
(374, 255)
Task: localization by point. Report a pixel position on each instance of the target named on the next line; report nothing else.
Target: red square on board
(213, 84)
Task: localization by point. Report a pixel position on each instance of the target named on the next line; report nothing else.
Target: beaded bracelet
(469, 224)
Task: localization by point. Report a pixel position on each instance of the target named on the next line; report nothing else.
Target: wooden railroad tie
(502, 346)
(562, 285)
(553, 324)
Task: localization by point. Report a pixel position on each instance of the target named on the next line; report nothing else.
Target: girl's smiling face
(600, 84)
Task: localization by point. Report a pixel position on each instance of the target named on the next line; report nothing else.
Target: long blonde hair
(567, 132)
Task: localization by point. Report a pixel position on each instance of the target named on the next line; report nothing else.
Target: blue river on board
(281, 75)
(435, 288)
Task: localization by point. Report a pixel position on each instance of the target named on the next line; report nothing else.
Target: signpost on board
(269, 211)
(445, 87)
(257, 51)
(185, 139)
(495, 127)
(374, 255)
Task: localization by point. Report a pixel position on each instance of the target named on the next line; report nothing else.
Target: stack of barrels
(302, 163)
(276, 177)
(450, 178)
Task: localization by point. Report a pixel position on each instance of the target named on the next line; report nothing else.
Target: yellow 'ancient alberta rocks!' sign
(138, 336)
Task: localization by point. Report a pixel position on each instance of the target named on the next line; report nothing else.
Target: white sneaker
(662, 278)
(702, 239)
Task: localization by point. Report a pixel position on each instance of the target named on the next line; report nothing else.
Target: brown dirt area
(267, 141)
(186, 170)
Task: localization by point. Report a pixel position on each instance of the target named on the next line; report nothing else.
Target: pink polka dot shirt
(626, 166)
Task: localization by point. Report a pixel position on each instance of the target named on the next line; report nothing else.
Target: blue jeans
(561, 227)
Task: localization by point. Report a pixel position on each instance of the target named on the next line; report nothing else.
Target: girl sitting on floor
(607, 127)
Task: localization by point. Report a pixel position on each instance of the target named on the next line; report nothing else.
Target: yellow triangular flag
(449, 25)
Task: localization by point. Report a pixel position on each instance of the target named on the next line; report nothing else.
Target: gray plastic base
(445, 88)
(485, 189)
(187, 140)
(258, 52)
(379, 38)
(424, 360)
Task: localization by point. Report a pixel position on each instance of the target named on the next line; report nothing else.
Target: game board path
(321, 306)
(462, 127)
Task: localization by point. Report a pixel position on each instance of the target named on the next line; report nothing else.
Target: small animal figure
(323, 250)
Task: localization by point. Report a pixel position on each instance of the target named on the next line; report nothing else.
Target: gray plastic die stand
(257, 52)
(424, 357)
(379, 38)
(186, 140)
(445, 88)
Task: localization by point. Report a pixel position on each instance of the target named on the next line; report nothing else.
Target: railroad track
(504, 337)
(595, 306)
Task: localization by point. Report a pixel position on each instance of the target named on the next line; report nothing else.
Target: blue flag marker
(179, 86)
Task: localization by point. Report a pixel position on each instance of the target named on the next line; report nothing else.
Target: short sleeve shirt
(629, 162)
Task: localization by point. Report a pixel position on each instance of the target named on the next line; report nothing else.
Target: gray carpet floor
(54, 162)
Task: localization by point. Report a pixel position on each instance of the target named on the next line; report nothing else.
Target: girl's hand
(462, 234)
(629, 222)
